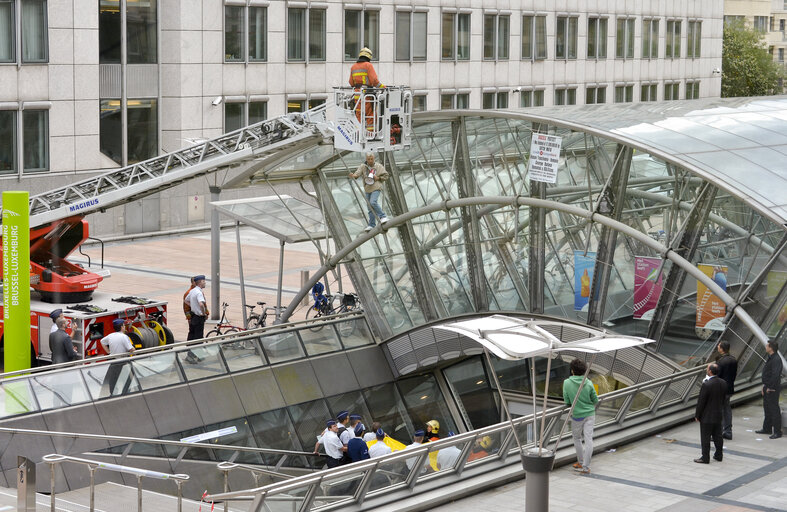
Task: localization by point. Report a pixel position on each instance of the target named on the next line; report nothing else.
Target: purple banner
(647, 288)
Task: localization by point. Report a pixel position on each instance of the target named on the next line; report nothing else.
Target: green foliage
(747, 67)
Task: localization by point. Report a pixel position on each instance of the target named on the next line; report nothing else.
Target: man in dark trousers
(728, 370)
(709, 413)
(771, 387)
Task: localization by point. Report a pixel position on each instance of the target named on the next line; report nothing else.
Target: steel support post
(615, 199)
(537, 469)
(686, 248)
(240, 276)
(215, 264)
(537, 249)
(466, 187)
(281, 278)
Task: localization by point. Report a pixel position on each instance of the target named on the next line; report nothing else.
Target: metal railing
(54, 459)
(375, 482)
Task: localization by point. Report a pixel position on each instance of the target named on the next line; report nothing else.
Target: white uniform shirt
(379, 449)
(117, 343)
(411, 461)
(53, 329)
(195, 298)
(333, 447)
(446, 458)
(346, 436)
(369, 436)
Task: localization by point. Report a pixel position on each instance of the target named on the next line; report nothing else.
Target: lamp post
(514, 339)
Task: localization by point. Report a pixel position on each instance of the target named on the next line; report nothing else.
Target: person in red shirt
(362, 74)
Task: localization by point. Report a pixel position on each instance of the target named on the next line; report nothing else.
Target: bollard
(304, 280)
(537, 468)
(25, 485)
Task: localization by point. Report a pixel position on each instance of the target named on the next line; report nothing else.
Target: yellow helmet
(365, 52)
(434, 424)
(485, 442)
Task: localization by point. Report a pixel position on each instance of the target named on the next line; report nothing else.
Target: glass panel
(538, 98)
(258, 29)
(677, 40)
(502, 100)
(111, 126)
(446, 101)
(141, 31)
(143, 139)
(419, 36)
(34, 31)
(319, 339)
(309, 419)
(234, 50)
(273, 429)
(463, 37)
(191, 453)
(157, 371)
(7, 31)
(386, 407)
(654, 42)
(527, 37)
(7, 141)
(503, 37)
(388, 474)
(560, 39)
(463, 101)
(315, 102)
(448, 457)
(243, 437)
(371, 32)
(340, 489)
(59, 390)
(488, 100)
(296, 34)
(317, 31)
(425, 402)
(113, 379)
(206, 362)
(573, 24)
(234, 116)
(36, 139)
(620, 41)
(602, 39)
(630, 38)
(592, 37)
(472, 387)
(489, 36)
(109, 31)
(669, 37)
(645, 39)
(354, 333)
(402, 35)
(448, 35)
(541, 37)
(282, 347)
(296, 105)
(258, 111)
(242, 355)
(16, 398)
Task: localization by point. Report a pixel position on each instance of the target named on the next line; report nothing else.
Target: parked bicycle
(256, 320)
(323, 306)
(224, 326)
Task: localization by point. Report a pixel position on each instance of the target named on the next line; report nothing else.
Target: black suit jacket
(711, 400)
(772, 372)
(728, 370)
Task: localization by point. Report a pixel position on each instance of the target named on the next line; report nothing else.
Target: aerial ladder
(58, 227)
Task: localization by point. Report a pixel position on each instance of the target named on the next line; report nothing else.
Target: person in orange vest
(362, 74)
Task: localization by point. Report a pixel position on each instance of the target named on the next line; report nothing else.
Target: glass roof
(286, 218)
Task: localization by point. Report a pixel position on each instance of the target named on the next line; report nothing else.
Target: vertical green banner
(16, 280)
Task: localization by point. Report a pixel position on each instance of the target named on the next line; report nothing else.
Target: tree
(747, 67)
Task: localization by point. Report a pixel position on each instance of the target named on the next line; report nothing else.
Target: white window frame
(18, 134)
(694, 87)
(627, 93)
(600, 42)
(455, 34)
(531, 93)
(693, 39)
(412, 11)
(629, 40)
(653, 91)
(533, 21)
(596, 90)
(16, 37)
(363, 9)
(563, 91)
(674, 90)
(245, 36)
(647, 40)
(567, 33)
(498, 16)
(307, 9)
(672, 37)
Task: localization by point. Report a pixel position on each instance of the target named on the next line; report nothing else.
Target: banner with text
(584, 265)
(544, 158)
(16, 280)
(647, 286)
(776, 280)
(710, 308)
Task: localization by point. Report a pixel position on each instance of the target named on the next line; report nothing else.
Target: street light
(514, 339)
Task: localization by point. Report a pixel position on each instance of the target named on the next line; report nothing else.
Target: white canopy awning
(513, 338)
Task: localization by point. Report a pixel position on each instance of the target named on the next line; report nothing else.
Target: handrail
(54, 459)
(226, 467)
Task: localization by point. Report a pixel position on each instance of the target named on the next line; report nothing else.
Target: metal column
(240, 276)
(537, 249)
(614, 198)
(215, 264)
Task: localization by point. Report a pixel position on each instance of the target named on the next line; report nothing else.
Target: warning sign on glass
(544, 158)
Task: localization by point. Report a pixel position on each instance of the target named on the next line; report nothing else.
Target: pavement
(658, 473)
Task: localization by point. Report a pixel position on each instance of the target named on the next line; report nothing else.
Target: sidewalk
(658, 474)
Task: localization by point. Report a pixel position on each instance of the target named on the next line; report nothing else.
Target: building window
(565, 96)
(693, 37)
(35, 140)
(454, 101)
(237, 32)
(410, 35)
(141, 142)
(780, 55)
(650, 39)
(234, 116)
(782, 23)
(533, 98)
(361, 29)
(730, 19)
(597, 38)
(295, 105)
(305, 29)
(624, 93)
(671, 91)
(566, 37)
(34, 31)
(419, 103)
(648, 92)
(456, 36)
(258, 112)
(141, 30)
(7, 141)
(534, 37)
(595, 95)
(761, 23)
(692, 89)
(624, 46)
(463, 100)
(494, 99)
(672, 50)
(496, 36)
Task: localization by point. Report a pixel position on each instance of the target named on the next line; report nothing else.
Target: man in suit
(728, 370)
(709, 413)
(771, 387)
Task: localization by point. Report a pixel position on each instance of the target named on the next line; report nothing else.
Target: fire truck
(357, 120)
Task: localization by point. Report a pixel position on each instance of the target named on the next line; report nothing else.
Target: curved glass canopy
(705, 178)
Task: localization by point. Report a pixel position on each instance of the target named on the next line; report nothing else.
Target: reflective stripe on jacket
(363, 73)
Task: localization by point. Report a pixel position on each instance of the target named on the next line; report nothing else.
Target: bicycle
(257, 320)
(224, 326)
(323, 306)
